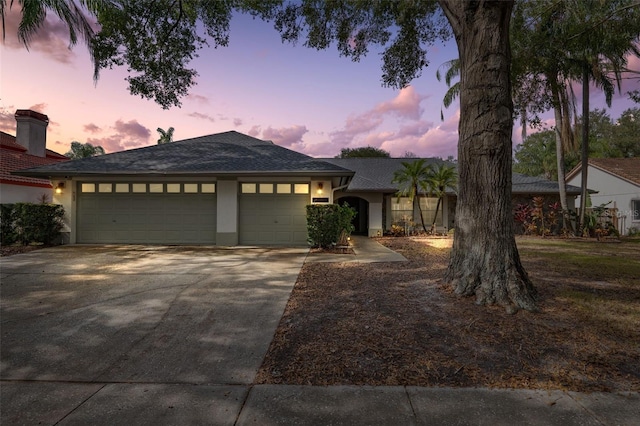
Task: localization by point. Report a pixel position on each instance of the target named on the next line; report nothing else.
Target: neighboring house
(26, 149)
(228, 189)
(615, 180)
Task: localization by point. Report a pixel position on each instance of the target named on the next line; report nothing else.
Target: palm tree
(452, 68)
(72, 13)
(165, 137)
(440, 178)
(412, 178)
(84, 150)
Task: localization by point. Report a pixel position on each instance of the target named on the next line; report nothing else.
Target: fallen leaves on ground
(398, 324)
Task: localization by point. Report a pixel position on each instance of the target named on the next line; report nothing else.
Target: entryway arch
(361, 221)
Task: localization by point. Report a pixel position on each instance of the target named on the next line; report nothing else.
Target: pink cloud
(198, 98)
(237, 122)
(289, 137)
(423, 138)
(91, 128)
(127, 135)
(41, 107)
(201, 116)
(254, 131)
(7, 120)
(406, 105)
(133, 129)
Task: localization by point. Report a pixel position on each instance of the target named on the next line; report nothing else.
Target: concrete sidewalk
(366, 250)
(64, 403)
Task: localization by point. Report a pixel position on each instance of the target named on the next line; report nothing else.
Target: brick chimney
(31, 131)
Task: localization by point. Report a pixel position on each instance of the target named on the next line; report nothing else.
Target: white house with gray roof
(231, 189)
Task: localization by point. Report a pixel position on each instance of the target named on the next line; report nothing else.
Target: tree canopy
(84, 150)
(365, 151)
(608, 138)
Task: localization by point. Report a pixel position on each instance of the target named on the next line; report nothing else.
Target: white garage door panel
(146, 218)
(273, 219)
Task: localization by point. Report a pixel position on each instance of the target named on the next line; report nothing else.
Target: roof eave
(67, 174)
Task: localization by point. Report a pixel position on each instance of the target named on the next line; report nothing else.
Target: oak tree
(157, 39)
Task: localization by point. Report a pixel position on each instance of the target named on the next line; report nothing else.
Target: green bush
(325, 223)
(8, 235)
(31, 223)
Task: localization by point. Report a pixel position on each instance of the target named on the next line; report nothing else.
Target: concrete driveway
(81, 324)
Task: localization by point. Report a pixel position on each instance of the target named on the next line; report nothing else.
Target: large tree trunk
(484, 259)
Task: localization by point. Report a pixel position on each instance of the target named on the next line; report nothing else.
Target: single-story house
(27, 149)
(225, 189)
(614, 180)
(228, 189)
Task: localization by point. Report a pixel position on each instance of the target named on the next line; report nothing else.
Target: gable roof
(376, 174)
(15, 157)
(624, 168)
(231, 153)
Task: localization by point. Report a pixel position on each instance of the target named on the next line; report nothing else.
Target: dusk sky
(315, 102)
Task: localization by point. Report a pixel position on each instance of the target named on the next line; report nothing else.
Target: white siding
(611, 188)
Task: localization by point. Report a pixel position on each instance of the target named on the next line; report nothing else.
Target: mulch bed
(397, 324)
(17, 249)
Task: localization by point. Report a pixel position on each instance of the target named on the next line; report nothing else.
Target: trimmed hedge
(28, 223)
(325, 223)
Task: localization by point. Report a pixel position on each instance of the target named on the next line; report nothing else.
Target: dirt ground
(17, 249)
(397, 324)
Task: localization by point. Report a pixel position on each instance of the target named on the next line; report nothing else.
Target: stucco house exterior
(615, 180)
(27, 149)
(226, 189)
(231, 189)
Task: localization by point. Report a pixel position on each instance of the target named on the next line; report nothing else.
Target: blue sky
(312, 101)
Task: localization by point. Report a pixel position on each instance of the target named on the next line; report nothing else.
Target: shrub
(7, 231)
(325, 223)
(31, 223)
(539, 219)
(397, 230)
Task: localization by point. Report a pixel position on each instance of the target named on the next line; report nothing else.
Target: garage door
(273, 213)
(146, 213)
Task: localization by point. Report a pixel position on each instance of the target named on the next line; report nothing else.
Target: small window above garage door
(274, 188)
(153, 188)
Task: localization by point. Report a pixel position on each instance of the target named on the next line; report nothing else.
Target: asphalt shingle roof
(624, 168)
(376, 174)
(221, 153)
(523, 184)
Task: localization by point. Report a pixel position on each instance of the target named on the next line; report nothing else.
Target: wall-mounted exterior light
(59, 188)
(320, 187)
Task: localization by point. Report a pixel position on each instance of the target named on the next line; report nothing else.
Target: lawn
(397, 324)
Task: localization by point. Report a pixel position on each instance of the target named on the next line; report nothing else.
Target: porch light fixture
(59, 188)
(320, 186)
